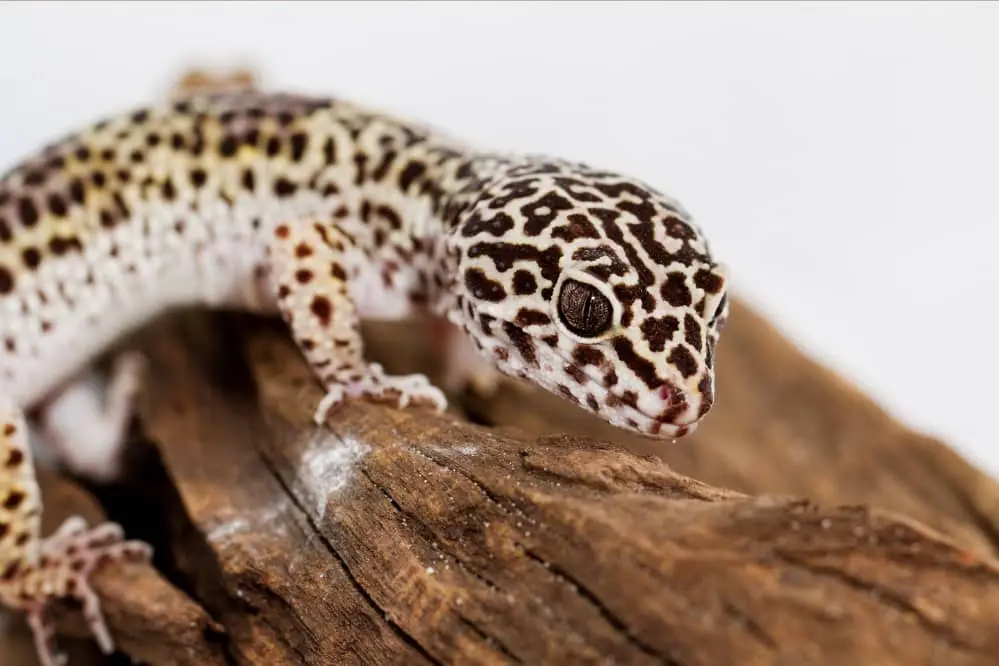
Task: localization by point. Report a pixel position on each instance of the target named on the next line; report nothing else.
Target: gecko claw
(399, 391)
(67, 560)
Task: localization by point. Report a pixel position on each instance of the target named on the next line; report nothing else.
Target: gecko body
(588, 283)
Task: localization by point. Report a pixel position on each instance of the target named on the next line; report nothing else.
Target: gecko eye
(583, 309)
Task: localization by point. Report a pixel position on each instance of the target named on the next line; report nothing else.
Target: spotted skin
(588, 283)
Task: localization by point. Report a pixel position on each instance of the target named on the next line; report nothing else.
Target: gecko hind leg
(310, 277)
(86, 422)
(35, 571)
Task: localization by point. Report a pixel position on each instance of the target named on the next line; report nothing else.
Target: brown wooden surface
(446, 542)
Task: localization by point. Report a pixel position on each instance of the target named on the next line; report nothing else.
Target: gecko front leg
(309, 273)
(36, 571)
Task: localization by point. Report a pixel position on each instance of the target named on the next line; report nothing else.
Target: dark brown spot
(505, 255)
(523, 342)
(82, 153)
(34, 178)
(153, 139)
(249, 181)
(528, 317)
(303, 250)
(273, 146)
(683, 360)
(77, 192)
(480, 286)
(137, 156)
(692, 332)
(6, 280)
(587, 355)
(228, 146)
(576, 373)
(27, 211)
(31, 257)
(61, 245)
(524, 283)
(323, 309)
(659, 330)
(410, 173)
(140, 116)
(299, 141)
(57, 205)
(282, 231)
(284, 187)
(675, 290)
(283, 291)
(329, 151)
(11, 571)
(9, 429)
(708, 281)
(541, 213)
(567, 393)
(13, 500)
(388, 214)
(497, 225)
(6, 233)
(198, 177)
(360, 161)
(578, 227)
(642, 367)
(304, 276)
(336, 270)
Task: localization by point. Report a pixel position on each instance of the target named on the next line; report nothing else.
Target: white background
(844, 159)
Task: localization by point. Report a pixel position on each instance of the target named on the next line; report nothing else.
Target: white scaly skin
(587, 283)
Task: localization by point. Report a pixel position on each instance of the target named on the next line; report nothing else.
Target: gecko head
(595, 287)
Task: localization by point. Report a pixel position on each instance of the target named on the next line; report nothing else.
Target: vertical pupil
(587, 308)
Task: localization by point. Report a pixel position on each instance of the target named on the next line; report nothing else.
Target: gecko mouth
(673, 419)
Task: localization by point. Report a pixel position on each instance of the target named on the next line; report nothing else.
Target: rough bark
(402, 537)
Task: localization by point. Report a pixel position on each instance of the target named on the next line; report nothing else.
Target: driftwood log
(517, 529)
(535, 535)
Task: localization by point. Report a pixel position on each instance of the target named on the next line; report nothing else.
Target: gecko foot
(399, 391)
(66, 561)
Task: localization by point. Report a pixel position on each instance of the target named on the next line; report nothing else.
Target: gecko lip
(672, 418)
